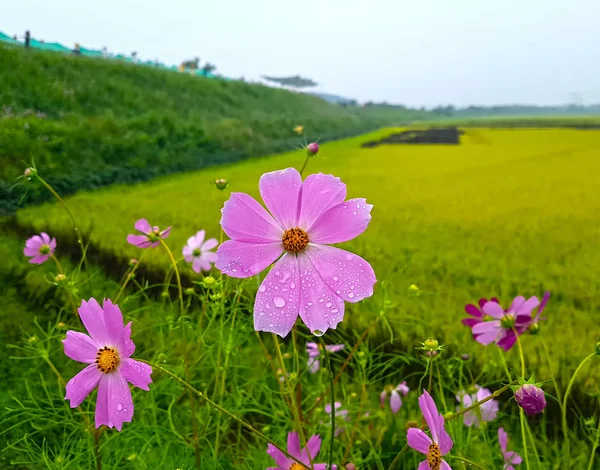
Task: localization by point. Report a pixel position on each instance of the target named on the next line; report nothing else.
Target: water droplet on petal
(279, 302)
(335, 310)
(119, 407)
(262, 288)
(328, 304)
(351, 295)
(335, 278)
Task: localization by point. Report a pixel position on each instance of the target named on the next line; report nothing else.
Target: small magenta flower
(440, 442)
(507, 324)
(314, 350)
(476, 312)
(311, 279)
(151, 235)
(394, 394)
(312, 149)
(510, 457)
(39, 248)
(342, 414)
(485, 412)
(197, 251)
(108, 351)
(306, 455)
(531, 398)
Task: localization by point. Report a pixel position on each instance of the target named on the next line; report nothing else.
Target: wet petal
(319, 193)
(418, 440)
(136, 373)
(114, 405)
(346, 274)
(113, 321)
(320, 308)
(278, 298)
(238, 259)
(126, 346)
(245, 220)
(445, 466)
(342, 222)
(80, 347)
(280, 191)
(280, 459)
(143, 226)
(92, 317)
(82, 384)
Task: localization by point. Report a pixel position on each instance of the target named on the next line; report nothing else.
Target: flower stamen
(297, 466)
(295, 240)
(107, 359)
(434, 458)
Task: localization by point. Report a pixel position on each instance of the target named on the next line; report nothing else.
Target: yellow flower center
(295, 240)
(508, 321)
(44, 250)
(107, 359)
(297, 466)
(434, 458)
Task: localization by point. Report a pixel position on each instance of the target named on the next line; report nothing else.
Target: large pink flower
(436, 446)
(306, 455)
(311, 279)
(107, 351)
(39, 248)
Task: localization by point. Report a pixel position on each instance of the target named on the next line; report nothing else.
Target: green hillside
(92, 122)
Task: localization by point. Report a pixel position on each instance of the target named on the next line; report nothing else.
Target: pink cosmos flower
(395, 398)
(314, 351)
(311, 279)
(339, 415)
(39, 248)
(476, 313)
(107, 350)
(440, 442)
(151, 235)
(313, 446)
(502, 329)
(510, 457)
(485, 412)
(197, 251)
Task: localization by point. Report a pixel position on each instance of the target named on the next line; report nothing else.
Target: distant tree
(208, 68)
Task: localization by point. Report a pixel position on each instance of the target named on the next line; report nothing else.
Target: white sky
(417, 52)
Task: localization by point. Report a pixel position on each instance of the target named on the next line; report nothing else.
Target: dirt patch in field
(445, 136)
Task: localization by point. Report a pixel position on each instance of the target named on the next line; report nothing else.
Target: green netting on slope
(7, 39)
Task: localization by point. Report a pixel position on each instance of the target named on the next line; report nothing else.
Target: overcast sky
(417, 52)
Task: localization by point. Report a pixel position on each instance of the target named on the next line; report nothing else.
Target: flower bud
(209, 281)
(448, 414)
(133, 262)
(431, 344)
(350, 466)
(531, 399)
(190, 291)
(465, 357)
(60, 278)
(221, 183)
(62, 325)
(534, 329)
(312, 149)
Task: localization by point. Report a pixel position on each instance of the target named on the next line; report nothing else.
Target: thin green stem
(332, 387)
(521, 355)
(554, 381)
(496, 394)
(69, 294)
(533, 444)
(503, 360)
(398, 457)
(129, 276)
(97, 449)
(430, 367)
(524, 437)
(594, 447)
(565, 425)
(219, 408)
(178, 277)
(467, 461)
(304, 166)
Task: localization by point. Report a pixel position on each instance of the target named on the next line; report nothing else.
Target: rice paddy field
(507, 212)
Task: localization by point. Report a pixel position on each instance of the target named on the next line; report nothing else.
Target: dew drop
(262, 288)
(318, 333)
(321, 300)
(328, 304)
(119, 407)
(292, 285)
(335, 310)
(338, 292)
(349, 257)
(351, 295)
(336, 279)
(279, 302)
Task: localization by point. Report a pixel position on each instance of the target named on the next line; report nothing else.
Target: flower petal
(209, 244)
(141, 241)
(487, 331)
(312, 349)
(31, 250)
(82, 384)
(113, 321)
(342, 222)
(382, 398)
(313, 446)
(245, 220)
(319, 193)
(114, 405)
(143, 226)
(280, 459)
(197, 240)
(431, 415)
(136, 373)
(92, 317)
(507, 339)
(512, 457)
(293, 444)
(444, 465)
(528, 306)
(395, 401)
(333, 348)
(424, 465)
(45, 238)
(473, 311)
(281, 192)
(278, 298)
(209, 256)
(493, 309)
(40, 259)
(516, 303)
(502, 439)
(314, 365)
(80, 347)
(346, 274)
(418, 440)
(320, 307)
(239, 259)
(126, 345)
(165, 233)
(52, 245)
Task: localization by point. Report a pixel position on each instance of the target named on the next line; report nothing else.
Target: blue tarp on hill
(7, 39)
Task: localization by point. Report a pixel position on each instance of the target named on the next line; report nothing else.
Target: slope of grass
(92, 122)
(507, 212)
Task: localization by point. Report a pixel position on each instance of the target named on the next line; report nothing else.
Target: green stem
(565, 425)
(304, 166)
(398, 457)
(430, 367)
(522, 357)
(331, 385)
(178, 277)
(594, 447)
(496, 394)
(469, 462)
(533, 444)
(219, 408)
(129, 276)
(524, 437)
(554, 381)
(69, 294)
(97, 449)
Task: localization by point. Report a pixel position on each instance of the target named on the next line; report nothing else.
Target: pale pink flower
(311, 279)
(394, 394)
(197, 251)
(314, 350)
(510, 456)
(306, 455)
(39, 248)
(485, 412)
(150, 237)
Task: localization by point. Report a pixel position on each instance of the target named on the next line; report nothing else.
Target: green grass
(505, 213)
(564, 121)
(104, 121)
